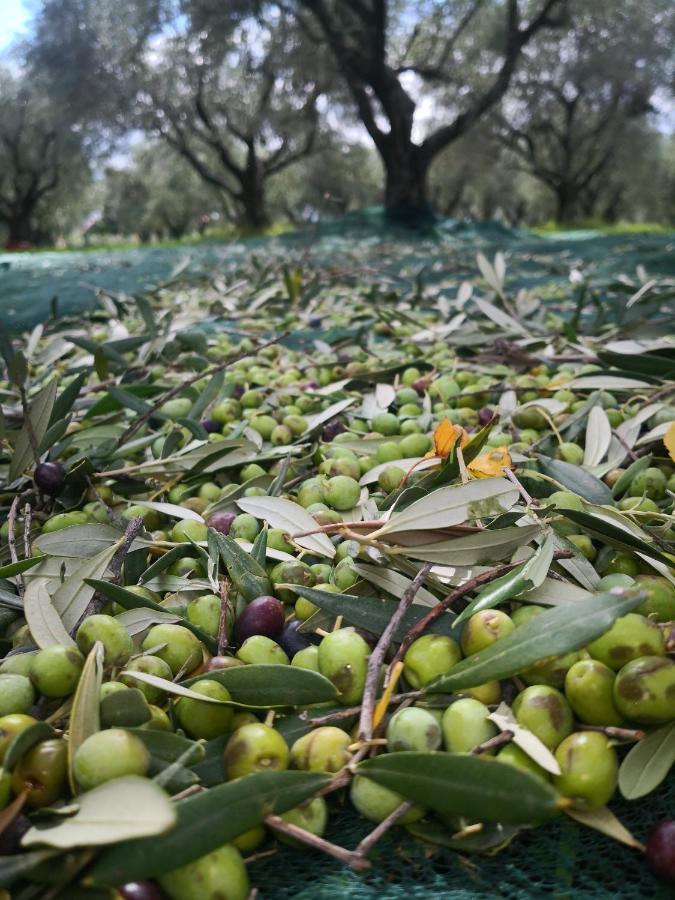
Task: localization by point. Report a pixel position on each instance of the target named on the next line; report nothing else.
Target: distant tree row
(259, 110)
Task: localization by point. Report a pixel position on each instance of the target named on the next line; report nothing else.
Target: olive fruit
(588, 767)
(512, 755)
(413, 728)
(255, 748)
(56, 670)
(428, 657)
(545, 712)
(11, 725)
(660, 602)
(660, 849)
(220, 875)
(204, 613)
(343, 659)
(651, 483)
(589, 688)
(295, 572)
(200, 718)
(183, 651)
(150, 665)
(186, 530)
(259, 649)
(139, 890)
(64, 520)
(109, 754)
(342, 492)
(465, 725)
(264, 615)
(324, 749)
(484, 628)
(630, 637)
(49, 477)
(644, 690)
(221, 521)
(291, 640)
(375, 802)
(308, 658)
(116, 640)
(311, 816)
(43, 771)
(16, 694)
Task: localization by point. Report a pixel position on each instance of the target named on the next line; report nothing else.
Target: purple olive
(660, 850)
(264, 615)
(49, 477)
(210, 425)
(291, 640)
(314, 321)
(485, 415)
(331, 429)
(221, 521)
(141, 890)
(237, 391)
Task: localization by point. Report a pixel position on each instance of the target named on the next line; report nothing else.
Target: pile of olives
(582, 706)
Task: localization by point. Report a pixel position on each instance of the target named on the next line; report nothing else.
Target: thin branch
(380, 830)
(348, 857)
(377, 656)
(225, 607)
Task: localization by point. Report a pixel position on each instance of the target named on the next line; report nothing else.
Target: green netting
(360, 243)
(562, 860)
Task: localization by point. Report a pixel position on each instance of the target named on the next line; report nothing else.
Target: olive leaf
(453, 506)
(623, 482)
(136, 621)
(600, 523)
(477, 787)
(598, 437)
(553, 633)
(79, 541)
(490, 545)
(72, 597)
(44, 622)
(373, 613)
(171, 687)
(527, 741)
(85, 712)
(524, 577)
(125, 808)
(269, 685)
(317, 419)
(577, 480)
(606, 383)
(394, 583)
(248, 576)
(647, 763)
(604, 821)
(35, 426)
(491, 838)
(291, 518)
(205, 822)
(171, 510)
(22, 565)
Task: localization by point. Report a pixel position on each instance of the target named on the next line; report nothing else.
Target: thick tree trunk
(20, 228)
(252, 195)
(566, 201)
(406, 196)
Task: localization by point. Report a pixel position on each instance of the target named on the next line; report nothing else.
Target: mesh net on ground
(560, 860)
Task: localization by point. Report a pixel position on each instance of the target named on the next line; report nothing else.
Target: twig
(179, 388)
(377, 656)
(11, 528)
(611, 731)
(350, 711)
(377, 833)
(349, 857)
(629, 450)
(499, 740)
(437, 611)
(27, 523)
(224, 609)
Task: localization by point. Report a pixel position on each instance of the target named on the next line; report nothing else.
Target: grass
(604, 228)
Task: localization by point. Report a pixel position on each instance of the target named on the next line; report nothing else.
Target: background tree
(575, 98)
(40, 161)
(236, 110)
(398, 58)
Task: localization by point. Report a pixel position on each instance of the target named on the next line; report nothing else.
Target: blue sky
(15, 15)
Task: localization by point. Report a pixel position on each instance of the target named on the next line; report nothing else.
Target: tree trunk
(406, 190)
(252, 196)
(565, 204)
(20, 228)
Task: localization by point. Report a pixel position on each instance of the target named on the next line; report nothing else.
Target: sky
(14, 15)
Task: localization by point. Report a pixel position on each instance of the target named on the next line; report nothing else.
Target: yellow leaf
(669, 441)
(490, 465)
(445, 438)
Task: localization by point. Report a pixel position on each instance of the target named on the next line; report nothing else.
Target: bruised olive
(630, 637)
(343, 659)
(220, 875)
(255, 748)
(43, 772)
(644, 690)
(323, 749)
(589, 769)
(546, 712)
